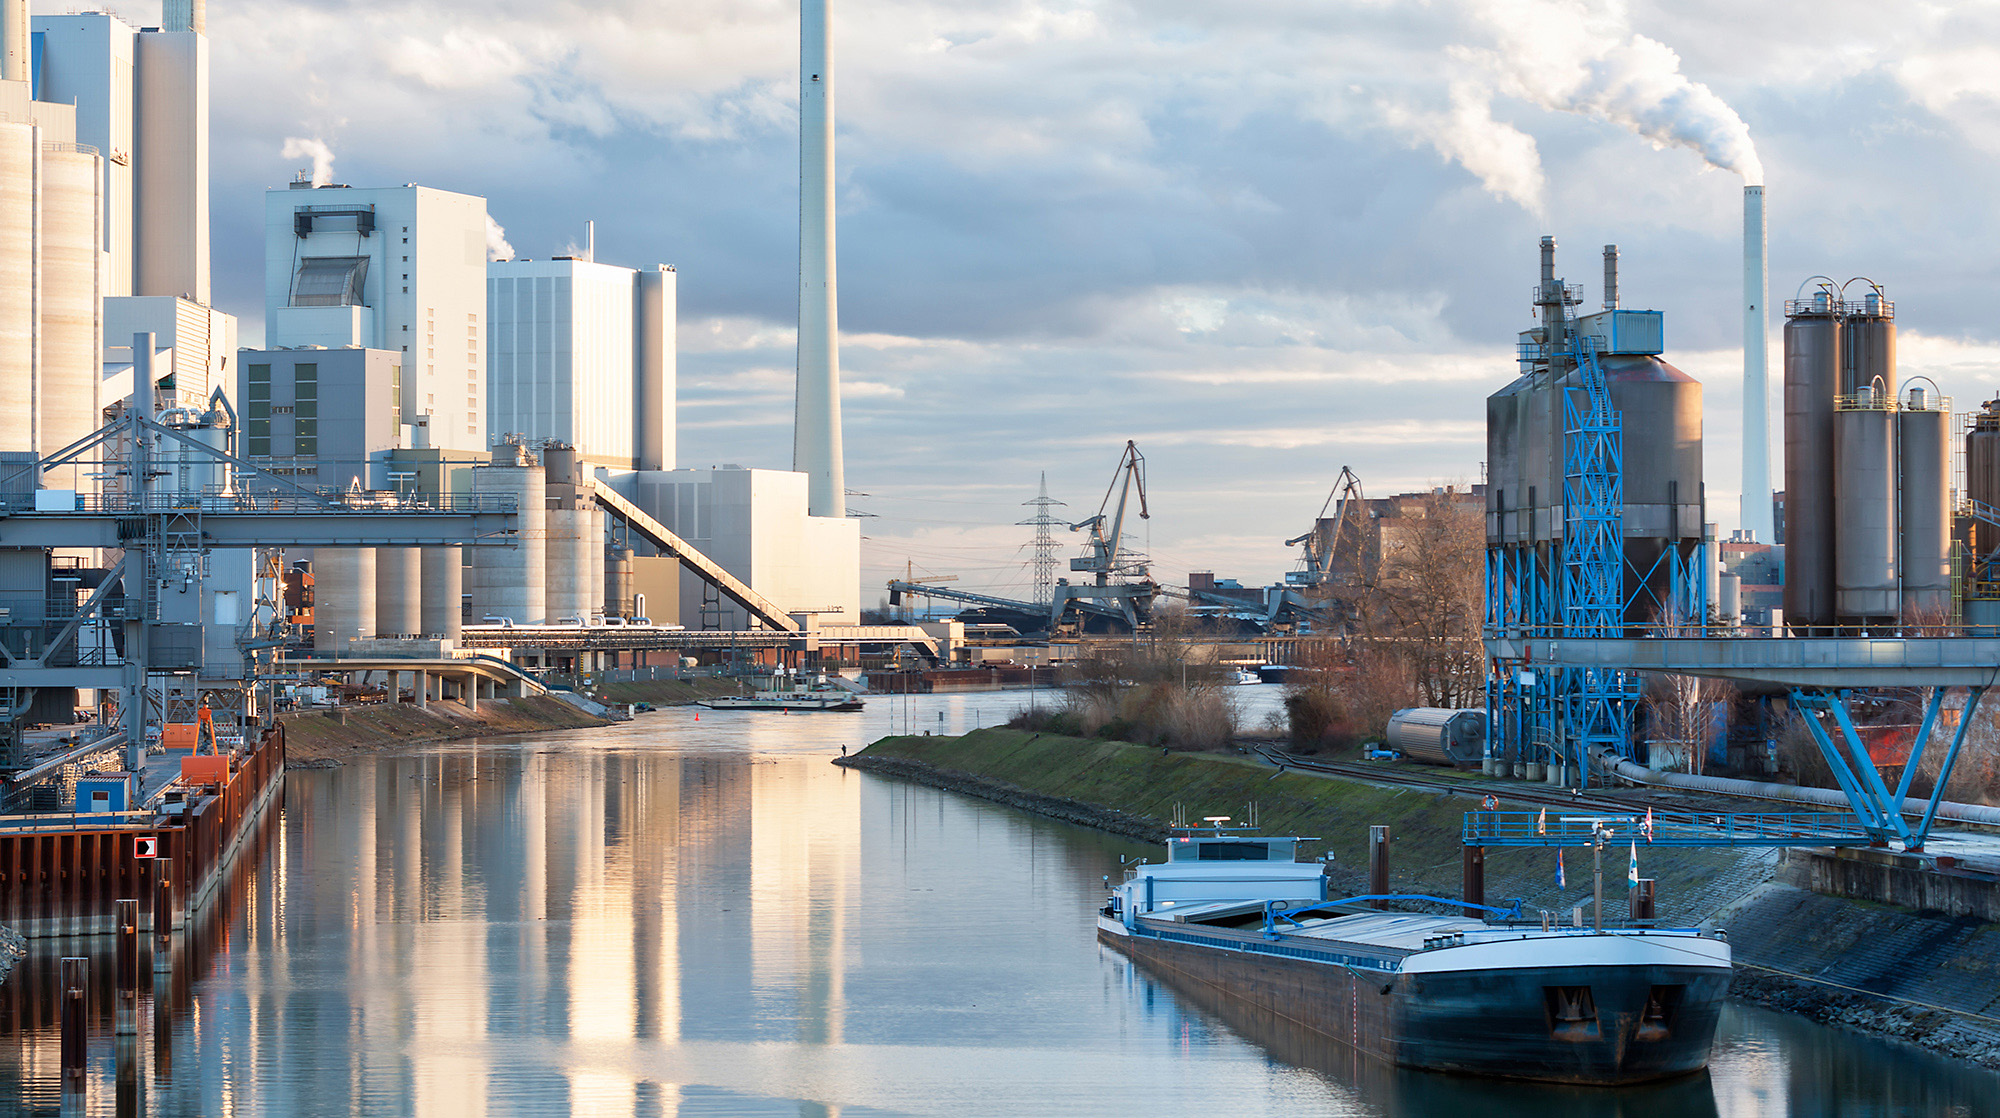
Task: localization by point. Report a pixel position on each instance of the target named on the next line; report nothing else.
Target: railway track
(1517, 791)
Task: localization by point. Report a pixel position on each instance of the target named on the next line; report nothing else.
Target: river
(691, 915)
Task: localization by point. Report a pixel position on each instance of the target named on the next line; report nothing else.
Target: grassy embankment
(1142, 786)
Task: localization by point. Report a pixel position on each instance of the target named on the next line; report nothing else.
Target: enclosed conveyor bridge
(711, 572)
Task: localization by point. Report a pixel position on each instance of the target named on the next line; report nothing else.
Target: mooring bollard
(75, 1011)
(1643, 899)
(126, 1017)
(163, 920)
(1378, 864)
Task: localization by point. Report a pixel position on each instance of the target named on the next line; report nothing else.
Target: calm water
(675, 917)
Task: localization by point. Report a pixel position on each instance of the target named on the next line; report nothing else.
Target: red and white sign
(148, 847)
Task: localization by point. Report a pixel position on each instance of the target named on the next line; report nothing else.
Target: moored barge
(1494, 997)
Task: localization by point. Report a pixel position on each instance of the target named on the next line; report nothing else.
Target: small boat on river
(796, 695)
(1500, 996)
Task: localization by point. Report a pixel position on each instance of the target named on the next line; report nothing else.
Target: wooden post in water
(75, 1014)
(1378, 864)
(126, 927)
(163, 916)
(1597, 904)
(1475, 880)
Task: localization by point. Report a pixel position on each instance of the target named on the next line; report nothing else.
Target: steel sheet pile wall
(1867, 478)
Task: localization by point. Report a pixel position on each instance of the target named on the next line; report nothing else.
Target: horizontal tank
(1864, 513)
(1439, 736)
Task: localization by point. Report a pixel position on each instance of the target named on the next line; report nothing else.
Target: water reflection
(680, 918)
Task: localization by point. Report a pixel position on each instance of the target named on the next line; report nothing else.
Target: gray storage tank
(1923, 454)
(1864, 509)
(1439, 735)
(1812, 380)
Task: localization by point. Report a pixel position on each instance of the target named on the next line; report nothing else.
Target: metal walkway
(1837, 662)
(1664, 828)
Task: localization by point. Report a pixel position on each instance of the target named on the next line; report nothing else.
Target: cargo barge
(62, 872)
(1494, 997)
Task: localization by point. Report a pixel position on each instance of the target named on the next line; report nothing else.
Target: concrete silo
(511, 581)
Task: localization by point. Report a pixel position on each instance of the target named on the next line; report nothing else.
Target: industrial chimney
(816, 450)
(1755, 515)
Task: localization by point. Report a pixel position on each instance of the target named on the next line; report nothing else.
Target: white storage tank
(398, 593)
(1439, 735)
(567, 596)
(512, 581)
(443, 592)
(343, 597)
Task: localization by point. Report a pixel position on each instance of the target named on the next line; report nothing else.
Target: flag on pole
(1632, 874)
(1561, 882)
(1648, 828)
(1542, 827)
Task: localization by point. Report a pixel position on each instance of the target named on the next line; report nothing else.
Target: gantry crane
(1106, 557)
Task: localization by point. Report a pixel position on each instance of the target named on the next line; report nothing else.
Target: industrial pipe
(1789, 793)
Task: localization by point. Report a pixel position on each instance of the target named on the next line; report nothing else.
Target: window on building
(257, 410)
(396, 393)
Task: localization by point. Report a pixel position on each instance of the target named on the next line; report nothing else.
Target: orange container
(178, 735)
(205, 769)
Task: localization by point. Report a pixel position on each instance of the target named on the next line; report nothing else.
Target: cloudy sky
(1263, 238)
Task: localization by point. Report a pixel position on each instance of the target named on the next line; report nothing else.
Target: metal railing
(216, 499)
(1663, 828)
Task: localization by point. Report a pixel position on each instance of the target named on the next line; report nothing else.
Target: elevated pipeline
(1788, 793)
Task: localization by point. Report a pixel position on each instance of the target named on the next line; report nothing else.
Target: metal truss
(1880, 811)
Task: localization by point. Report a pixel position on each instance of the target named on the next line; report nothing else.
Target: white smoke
(497, 247)
(315, 150)
(1574, 56)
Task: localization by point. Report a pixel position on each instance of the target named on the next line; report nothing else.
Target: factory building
(325, 418)
(198, 344)
(401, 269)
(582, 353)
(754, 523)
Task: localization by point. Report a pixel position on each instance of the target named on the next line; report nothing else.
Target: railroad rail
(1514, 791)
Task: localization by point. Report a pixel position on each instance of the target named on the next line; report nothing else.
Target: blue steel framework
(1880, 811)
(1666, 828)
(1559, 715)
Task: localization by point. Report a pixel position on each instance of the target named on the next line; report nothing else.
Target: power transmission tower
(1045, 543)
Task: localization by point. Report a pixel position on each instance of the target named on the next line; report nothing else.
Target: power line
(1045, 542)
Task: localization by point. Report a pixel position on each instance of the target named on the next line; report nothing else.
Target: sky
(1262, 239)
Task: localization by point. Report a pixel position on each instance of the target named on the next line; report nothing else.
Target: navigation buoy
(697, 716)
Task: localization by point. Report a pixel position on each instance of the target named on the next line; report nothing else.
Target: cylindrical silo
(1982, 484)
(1660, 411)
(1812, 378)
(1864, 513)
(1868, 345)
(343, 596)
(17, 281)
(511, 581)
(443, 592)
(71, 345)
(566, 594)
(398, 592)
(1731, 599)
(590, 556)
(618, 569)
(1923, 454)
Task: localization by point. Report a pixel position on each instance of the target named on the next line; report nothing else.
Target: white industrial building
(396, 268)
(754, 524)
(197, 344)
(582, 353)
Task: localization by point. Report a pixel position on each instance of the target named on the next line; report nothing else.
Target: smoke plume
(1573, 56)
(315, 150)
(497, 247)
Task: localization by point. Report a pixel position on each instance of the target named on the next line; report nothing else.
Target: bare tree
(1430, 600)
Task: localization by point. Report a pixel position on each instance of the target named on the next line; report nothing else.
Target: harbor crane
(1322, 548)
(1107, 557)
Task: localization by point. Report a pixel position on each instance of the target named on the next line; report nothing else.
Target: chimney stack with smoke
(1755, 515)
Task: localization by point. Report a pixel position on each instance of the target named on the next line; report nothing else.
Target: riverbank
(1870, 968)
(324, 738)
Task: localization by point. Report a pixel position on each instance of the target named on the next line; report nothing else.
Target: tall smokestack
(14, 40)
(1610, 277)
(1755, 515)
(816, 450)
